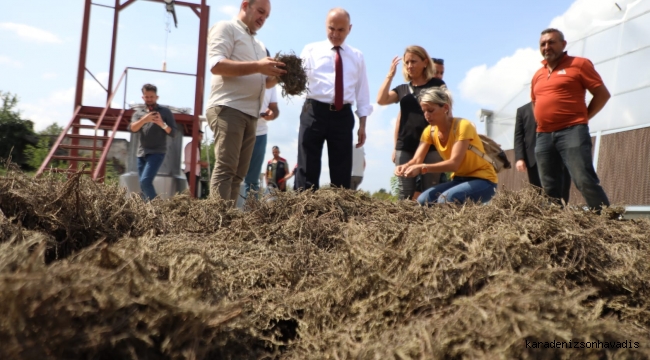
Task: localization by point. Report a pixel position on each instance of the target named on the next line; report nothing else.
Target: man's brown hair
(552, 30)
(149, 87)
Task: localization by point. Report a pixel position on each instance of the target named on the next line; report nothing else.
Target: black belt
(326, 106)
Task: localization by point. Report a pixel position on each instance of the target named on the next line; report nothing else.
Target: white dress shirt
(188, 157)
(319, 64)
(270, 96)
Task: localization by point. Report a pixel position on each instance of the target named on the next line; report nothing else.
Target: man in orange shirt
(558, 93)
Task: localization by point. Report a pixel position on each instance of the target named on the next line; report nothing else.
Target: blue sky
(489, 49)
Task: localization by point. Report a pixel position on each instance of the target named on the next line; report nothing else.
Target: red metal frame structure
(112, 120)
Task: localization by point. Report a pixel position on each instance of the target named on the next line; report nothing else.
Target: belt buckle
(332, 107)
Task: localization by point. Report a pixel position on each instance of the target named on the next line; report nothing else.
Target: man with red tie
(336, 73)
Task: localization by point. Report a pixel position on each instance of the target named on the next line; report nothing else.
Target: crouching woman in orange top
(473, 178)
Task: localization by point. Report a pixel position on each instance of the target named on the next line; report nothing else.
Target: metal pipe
(177, 3)
(58, 142)
(102, 5)
(108, 103)
(198, 94)
(111, 69)
(111, 95)
(101, 169)
(160, 71)
(123, 6)
(126, 86)
(93, 76)
(78, 97)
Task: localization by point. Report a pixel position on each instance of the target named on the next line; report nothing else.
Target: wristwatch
(424, 169)
(165, 126)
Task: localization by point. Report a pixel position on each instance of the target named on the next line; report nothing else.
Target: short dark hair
(275, 148)
(438, 61)
(149, 87)
(552, 30)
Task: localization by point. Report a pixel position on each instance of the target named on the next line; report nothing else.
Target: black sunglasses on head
(438, 61)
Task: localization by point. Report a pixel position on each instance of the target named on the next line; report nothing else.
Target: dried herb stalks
(294, 82)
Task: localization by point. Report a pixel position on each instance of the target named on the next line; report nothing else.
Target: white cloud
(31, 33)
(495, 85)
(6, 60)
(49, 75)
(380, 130)
(512, 72)
(171, 51)
(58, 106)
(229, 10)
(585, 16)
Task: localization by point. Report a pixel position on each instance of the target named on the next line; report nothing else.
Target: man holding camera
(153, 124)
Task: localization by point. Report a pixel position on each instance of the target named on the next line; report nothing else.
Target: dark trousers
(319, 124)
(569, 148)
(533, 179)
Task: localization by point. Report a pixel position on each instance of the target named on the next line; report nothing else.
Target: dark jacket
(525, 135)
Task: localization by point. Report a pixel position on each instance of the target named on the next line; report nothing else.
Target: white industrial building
(620, 51)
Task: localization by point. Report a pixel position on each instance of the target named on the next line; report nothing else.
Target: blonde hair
(419, 51)
(437, 95)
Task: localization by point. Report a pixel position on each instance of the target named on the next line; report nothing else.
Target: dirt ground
(87, 272)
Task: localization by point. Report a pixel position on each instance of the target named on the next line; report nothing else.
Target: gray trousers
(407, 185)
(355, 182)
(234, 139)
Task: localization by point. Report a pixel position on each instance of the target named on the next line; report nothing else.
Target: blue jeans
(252, 179)
(459, 189)
(570, 148)
(148, 167)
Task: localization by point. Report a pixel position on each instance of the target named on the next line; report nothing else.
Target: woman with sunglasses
(474, 178)
(419, 73)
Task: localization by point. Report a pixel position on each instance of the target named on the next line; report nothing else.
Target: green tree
(207, 155)
(207, 151)
(54, 130)
(382, 194)
(394, 186)
(15, 133)
(36, 154)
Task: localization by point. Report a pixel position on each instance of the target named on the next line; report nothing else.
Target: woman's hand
(413, 170)
(393, 66)
(385, 95)
(399, 170)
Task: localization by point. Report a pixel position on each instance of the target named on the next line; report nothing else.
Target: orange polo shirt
(559, 96)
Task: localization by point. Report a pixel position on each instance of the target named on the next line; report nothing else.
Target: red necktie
(338, 80)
